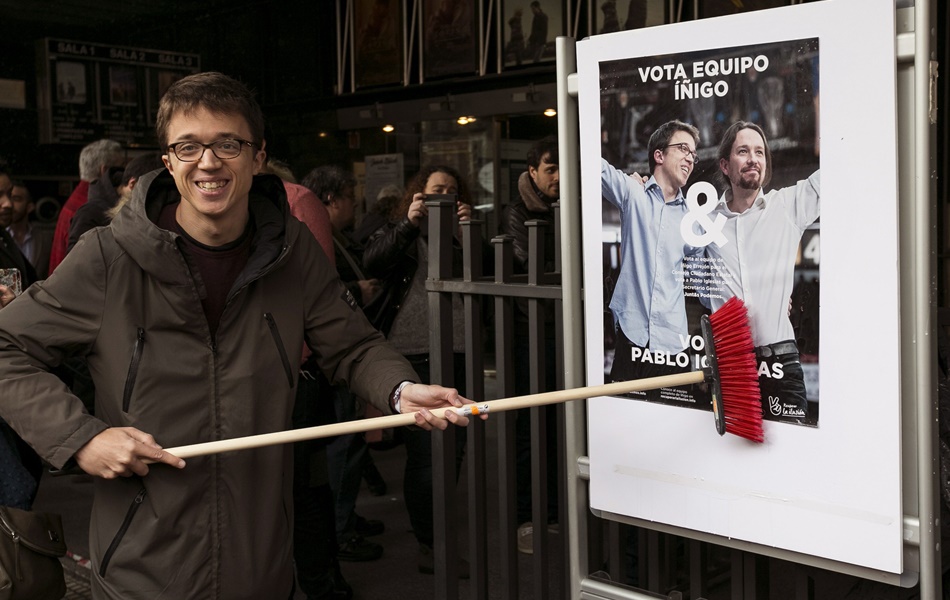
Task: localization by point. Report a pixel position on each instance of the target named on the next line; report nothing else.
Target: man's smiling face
(676, 164)
(747, 163)
(214, 191)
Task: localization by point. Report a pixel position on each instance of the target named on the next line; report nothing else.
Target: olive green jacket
(127, 299)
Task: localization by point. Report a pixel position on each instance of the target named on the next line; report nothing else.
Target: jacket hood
(531, 196)
(156, 249)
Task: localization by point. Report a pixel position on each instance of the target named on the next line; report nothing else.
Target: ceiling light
(388, 128)
(549, 112)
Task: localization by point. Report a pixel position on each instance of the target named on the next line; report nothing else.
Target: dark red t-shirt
(219, 266)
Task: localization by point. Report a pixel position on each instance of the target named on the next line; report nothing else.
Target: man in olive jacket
(191, 309)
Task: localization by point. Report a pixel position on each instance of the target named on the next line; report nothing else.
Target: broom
(731, 373)
(733, 376)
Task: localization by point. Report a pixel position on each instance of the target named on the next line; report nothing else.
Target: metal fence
(495, 295)
(622, 561)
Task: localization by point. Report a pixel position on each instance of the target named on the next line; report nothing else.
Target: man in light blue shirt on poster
(648, 303)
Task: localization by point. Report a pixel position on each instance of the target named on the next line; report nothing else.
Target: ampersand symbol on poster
(700, 214)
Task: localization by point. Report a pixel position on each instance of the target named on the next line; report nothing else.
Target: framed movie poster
(718, 8)
(158, 83)
(450, 38)
(123, 86)
(70, 82)
(378, 48)
(530, 27)
(703, 166)
(121, 106)
(623, 15)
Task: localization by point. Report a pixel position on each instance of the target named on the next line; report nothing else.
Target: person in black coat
(20, 467)
(10, 255)
(538, 189)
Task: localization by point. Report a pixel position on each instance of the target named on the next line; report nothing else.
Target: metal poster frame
(916, 75)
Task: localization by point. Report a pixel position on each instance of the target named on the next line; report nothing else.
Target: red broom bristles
(738, 375)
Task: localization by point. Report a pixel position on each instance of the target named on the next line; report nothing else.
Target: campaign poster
(668, 264)
(793, 218)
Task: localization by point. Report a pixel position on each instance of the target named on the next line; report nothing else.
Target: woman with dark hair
(434, 179)
(398, 252)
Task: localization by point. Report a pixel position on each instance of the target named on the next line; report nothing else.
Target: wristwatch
(394, 399)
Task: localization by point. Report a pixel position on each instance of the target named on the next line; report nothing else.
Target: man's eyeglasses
(684, 148)
(223, 149)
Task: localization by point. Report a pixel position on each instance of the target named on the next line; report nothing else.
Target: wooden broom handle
(400, 420)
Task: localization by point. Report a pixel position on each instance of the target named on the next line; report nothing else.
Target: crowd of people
(205, 301)
(141, 341)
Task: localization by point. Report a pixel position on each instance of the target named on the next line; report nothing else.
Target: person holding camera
(397, 253)
(539, 187)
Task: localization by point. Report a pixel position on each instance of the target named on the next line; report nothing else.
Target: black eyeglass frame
(682, 147)
(173, 148)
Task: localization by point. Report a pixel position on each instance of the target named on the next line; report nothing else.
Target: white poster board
(827, 487)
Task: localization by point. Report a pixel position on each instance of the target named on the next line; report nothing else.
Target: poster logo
(775, 406)
(778, 409)
(700, 215)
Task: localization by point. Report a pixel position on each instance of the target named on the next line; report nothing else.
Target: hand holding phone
(11, 278)
(417, 210)
(10, 286)
(439, 197)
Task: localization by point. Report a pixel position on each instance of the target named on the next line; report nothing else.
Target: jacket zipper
(133, 369)
(216, 524)
(15, 537)
(272, 325)
(136, 503)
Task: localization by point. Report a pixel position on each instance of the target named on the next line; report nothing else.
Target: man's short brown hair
(664, 133)
(216, 93)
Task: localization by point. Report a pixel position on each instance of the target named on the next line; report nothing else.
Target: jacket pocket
(129, 515)
(133, 369)
(275, 333)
